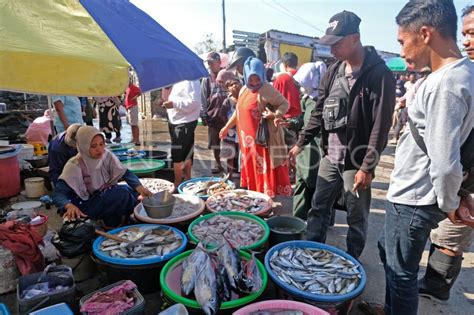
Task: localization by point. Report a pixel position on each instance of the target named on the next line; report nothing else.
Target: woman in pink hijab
(40, 129)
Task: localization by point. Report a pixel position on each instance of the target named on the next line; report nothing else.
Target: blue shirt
(72, 110)
(58, 154)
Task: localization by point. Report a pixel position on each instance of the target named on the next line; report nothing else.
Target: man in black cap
(353, 114)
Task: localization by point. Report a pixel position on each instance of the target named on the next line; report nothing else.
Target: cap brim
(232, 65)
(330, 40)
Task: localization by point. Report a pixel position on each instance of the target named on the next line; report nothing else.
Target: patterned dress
(109, 118)
(256, 171)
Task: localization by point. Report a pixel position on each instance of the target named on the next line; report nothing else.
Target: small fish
(315, 270)
(142, 243)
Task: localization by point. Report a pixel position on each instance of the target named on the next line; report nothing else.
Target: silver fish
(207, 296)
(238, 232)
(190, 269)
(229, 257)
(142, 243)
(316, 271)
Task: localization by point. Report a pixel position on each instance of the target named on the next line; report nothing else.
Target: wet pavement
(154, 136)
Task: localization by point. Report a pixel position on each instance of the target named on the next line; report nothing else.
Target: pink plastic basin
(280, 304)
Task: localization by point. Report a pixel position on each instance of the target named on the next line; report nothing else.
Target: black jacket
(372, 99)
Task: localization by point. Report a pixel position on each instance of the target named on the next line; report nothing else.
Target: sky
(190, 20)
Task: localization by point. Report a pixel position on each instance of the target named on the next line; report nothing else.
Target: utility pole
(223, 26)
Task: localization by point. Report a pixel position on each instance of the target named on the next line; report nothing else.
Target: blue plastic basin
(123, 155)
(138, 261)
(327, 298)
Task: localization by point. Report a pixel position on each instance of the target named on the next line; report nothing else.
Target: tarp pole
(51, 110)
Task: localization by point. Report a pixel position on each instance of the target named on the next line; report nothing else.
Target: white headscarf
(309, 77)
(103, 172)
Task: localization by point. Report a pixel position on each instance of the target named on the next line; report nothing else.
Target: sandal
(216, 169)
(371, 308)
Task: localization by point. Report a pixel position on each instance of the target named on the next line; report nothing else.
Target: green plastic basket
(144, 166)
(241, 215)
(238, 303)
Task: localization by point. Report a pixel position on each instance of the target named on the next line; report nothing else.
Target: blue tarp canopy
(155, 54)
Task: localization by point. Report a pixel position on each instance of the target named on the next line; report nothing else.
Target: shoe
(137, 144)
(108, 141)
(216, 169)
(117, 140)
(441, 273)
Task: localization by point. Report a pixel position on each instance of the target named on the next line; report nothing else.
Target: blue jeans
(401, 245)
(331, 180)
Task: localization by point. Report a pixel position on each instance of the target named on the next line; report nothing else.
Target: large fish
(191, 267)
(250, 279)
(229, 257)
(206, 284)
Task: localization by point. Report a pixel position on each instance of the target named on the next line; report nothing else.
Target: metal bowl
(38, 161)
(158, 208)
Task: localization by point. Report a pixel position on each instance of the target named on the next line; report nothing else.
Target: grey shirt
(337, 140)
(443, 113)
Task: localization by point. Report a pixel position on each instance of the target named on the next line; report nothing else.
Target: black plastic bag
(262, 136)
(75, 238)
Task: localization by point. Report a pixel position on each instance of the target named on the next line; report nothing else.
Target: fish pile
(216, 274)
(207, 187)
(155, 185)
(316, 271)
(238, 200)
(182, 207)
(238, 232)
(142, 243)
(278, 311)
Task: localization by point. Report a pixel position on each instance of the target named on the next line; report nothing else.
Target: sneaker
(117, 140)
(108, 141)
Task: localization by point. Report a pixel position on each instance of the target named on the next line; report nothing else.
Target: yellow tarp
(304, 54)
(55, 47)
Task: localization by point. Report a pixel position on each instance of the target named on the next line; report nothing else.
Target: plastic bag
(262, 135)
(74, 238)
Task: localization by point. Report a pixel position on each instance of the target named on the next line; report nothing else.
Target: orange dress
(256, 172)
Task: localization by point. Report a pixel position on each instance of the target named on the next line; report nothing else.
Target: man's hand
(73, 212)
(464, 213)
(168, 104)
(362, 180)
(143, 191)
(293, 153)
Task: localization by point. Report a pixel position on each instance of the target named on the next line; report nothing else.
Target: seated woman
(88, 186)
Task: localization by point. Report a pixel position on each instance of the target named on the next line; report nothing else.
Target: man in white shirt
(183, 107)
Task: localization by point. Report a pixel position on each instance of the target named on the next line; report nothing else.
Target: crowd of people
(322, 128)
